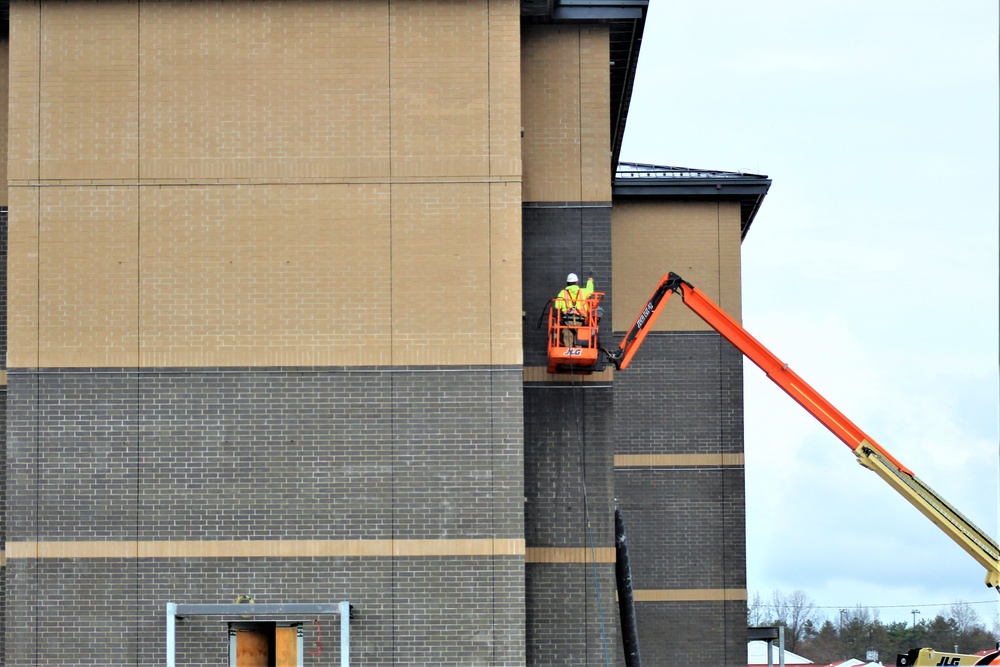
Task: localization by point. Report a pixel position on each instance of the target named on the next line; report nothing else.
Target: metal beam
(294, 609)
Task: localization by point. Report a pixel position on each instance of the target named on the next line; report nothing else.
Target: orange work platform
(573, 345)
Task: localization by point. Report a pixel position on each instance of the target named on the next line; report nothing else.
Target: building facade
(273, 270)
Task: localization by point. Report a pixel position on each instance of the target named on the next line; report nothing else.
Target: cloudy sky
(871, 269)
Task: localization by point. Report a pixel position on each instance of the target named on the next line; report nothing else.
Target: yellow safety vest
(575, 297)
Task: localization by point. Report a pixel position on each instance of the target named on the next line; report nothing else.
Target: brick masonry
(421, 611)
(277, 192)
(266, 454)
(572, 616)
(3, 392)
(682, 395)
(686, 527)
(565, 112)
(694, 633)
(568, 436)
(4, 76)
(182, 373)
(560, 237)
(3, 287)
(698, 240)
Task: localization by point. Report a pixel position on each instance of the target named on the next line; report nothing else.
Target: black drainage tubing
(626, 605)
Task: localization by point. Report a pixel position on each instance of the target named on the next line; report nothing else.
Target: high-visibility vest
(575, 297)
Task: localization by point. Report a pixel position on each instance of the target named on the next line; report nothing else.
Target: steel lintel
(294, 609)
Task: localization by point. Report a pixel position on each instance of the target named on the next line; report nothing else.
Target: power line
(901, 606)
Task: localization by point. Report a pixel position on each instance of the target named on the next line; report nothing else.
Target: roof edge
(638, 180)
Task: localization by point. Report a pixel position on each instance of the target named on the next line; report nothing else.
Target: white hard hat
(571, 278)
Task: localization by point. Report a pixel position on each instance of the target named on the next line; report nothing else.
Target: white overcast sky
(871, 269)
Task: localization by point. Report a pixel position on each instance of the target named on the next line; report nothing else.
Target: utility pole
(915, 612)
(843, 644)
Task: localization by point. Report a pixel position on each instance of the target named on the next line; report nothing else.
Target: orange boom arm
(870, 454)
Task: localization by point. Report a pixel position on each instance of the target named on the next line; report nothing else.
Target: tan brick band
(677, 460)
(690, 595)
(266, 549)
(541, 374)
(569, 555)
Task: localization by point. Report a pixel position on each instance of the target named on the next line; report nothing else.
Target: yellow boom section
(970, 537)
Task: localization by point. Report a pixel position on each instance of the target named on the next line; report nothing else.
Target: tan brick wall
(22, 278)
(87, 276)
(566, 118)
(23, 91)
(505, 274)
(265, 90)
(440, 96)
(4, 55)
(698, 241)
(265, 275)
(89, 115)
(444, 275)
(505, 91)
(269, 183)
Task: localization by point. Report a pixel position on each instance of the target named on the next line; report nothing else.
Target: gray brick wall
(568, 467)
(3, 509)
(406, 611)
(571, 619)
(684, 526)
(266, 454)
(568, 450)
(3, 411)
(672, 634)
(683, 394)
(557, 238)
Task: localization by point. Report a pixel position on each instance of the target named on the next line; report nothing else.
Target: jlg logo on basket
(573, 352)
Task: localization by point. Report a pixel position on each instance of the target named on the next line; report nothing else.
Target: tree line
(854, 633)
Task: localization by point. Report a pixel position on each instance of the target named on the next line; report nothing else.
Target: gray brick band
(265, 455)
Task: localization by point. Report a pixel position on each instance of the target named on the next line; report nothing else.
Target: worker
(573, 306)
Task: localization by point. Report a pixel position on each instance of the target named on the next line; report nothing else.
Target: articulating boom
(870, 454)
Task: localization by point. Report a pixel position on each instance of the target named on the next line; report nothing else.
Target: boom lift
(928, 657)
(870, 454)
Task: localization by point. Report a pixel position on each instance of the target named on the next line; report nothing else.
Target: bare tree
(794, 611)
(757, 614)
(965, 617)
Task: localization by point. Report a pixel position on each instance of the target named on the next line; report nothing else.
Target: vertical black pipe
(626, 605)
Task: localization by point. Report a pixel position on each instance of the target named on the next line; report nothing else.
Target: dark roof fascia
(748, 189)
(599, 10)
